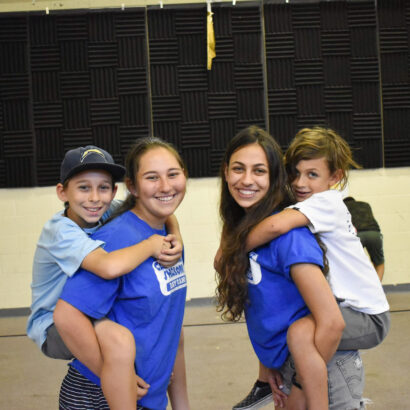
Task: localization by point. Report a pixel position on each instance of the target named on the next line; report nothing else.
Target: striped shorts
(79, 393)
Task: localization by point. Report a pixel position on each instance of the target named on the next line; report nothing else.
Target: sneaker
(257, 398)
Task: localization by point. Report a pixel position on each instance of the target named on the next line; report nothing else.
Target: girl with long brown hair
(280, 282)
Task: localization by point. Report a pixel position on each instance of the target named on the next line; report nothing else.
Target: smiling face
(89, 195)
(159, 187)
(313, 176)
(247, 175)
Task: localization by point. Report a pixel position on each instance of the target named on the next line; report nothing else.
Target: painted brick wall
(24, 211)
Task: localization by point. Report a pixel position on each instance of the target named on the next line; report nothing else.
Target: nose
(247, 178)
(165, 185)
(94, 196)
(298, 181)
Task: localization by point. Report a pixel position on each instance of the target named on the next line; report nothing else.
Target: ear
(62, 196)
(131, 187)
(336, 177)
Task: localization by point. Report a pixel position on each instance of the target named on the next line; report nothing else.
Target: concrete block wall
(23, 212)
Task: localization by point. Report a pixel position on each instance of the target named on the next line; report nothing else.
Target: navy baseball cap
(89, 157)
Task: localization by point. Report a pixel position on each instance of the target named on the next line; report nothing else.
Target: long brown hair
(231, 276)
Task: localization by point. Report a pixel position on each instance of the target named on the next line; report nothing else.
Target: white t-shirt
(352, 277)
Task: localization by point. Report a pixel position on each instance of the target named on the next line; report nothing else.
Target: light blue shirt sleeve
(66, 245)
(60, 251)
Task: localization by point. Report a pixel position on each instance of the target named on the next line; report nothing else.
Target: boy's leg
(363, 331)
(311, 372)
(54, 346)
(118, 378)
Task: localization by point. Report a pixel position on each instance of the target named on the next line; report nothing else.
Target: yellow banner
(210, 39)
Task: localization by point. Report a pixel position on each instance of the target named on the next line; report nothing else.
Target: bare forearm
(117, 263)
(325, 324)
(327, 339)
(173, 226)
(274, 226)
(78, 334)
(260, 234)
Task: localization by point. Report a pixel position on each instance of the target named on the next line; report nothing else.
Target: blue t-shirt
(149, 301)
(274, 300)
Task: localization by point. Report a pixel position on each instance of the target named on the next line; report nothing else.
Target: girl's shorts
(345, 380)
(79, 393)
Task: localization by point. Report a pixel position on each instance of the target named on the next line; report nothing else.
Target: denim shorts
(345, 380)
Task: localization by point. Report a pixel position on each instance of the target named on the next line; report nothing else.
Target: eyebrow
(83, 181)
(156, 172)
(254, 165)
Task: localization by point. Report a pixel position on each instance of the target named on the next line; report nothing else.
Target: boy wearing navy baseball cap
(87, 188)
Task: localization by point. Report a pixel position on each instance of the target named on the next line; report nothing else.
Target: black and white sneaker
(259, 396)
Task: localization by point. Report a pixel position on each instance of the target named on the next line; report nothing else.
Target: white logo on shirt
(170, 279)
(254, 272)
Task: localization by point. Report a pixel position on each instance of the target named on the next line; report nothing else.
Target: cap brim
(117, 171)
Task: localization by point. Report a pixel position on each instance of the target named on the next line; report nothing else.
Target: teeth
(245, 192)
(165, 198)
(93, 209)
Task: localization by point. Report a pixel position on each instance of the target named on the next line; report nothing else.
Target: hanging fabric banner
(210, 38)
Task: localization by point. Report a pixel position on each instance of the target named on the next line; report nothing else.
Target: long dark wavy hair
(132, 161)
(231, 277)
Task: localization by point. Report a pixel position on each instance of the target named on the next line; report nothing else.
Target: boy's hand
(158, 243)
(142, 387)
(172, 253)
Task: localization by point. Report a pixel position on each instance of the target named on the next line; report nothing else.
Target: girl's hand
(171, 252)
(142, 387)
(276, 384)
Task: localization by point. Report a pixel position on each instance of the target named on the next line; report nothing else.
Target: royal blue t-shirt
(149, 301)
(274, 300)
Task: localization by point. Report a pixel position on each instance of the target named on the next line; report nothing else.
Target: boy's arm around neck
(122, 261)
(117, 263)
(274, 226)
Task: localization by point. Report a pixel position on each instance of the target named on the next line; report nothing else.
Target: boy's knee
(299, 332)
(116, 342)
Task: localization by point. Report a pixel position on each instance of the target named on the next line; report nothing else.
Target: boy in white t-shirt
(316, 160)
(87, 188)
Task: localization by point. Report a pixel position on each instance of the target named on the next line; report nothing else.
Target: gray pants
(363, 331)
(54, 346)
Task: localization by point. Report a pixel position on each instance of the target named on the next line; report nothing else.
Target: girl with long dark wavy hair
(278, 283)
